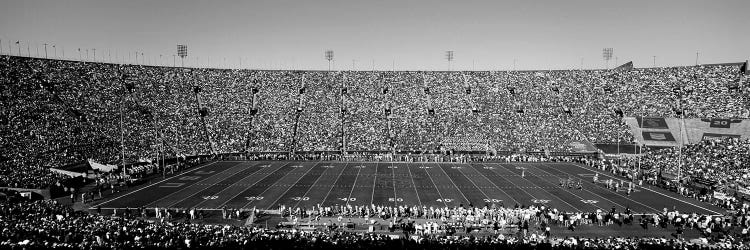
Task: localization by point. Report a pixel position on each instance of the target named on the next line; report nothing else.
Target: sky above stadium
(389, 34)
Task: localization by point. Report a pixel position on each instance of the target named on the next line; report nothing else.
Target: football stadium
(152, 144)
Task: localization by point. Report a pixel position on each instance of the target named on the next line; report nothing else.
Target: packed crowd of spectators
(705, 168)
(48, 224)
(61, 112)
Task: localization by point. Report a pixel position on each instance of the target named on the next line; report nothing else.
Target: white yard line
(334, 184)
(251, 185)
(454, 184)
(414, 184)
(313, 185)
(287, 190)
(534, 184)
(563, 189)
(654, 191)
(598, 186)
(207, 186)
(229, 186)
(498, 188)
(434, 185)
(470, 180)
(374, 182)
(393, 182)
(170, 178)
(501, 176)
(354, 184)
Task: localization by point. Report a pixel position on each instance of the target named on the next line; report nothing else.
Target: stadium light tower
(182, 53)
(696, 58)
(607, 54)
(329, 57)
(449, 57)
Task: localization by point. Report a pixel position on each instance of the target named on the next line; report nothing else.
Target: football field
(267, 184)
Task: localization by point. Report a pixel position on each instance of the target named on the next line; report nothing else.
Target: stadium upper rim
(734, 64)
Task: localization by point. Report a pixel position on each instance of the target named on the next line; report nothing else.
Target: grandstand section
(354, 111)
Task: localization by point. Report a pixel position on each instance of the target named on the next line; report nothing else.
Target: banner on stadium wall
(582, 146)
(714, 136)
(68, 173)
(720, 196)
(657, 136)
(721, 123)
(652, 122)
(102, 167)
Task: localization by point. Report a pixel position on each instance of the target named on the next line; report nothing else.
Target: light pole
(696, 58)
(654, 61)
(449, 57)
(45, 51)
(54, 48)
(329, 57)
(607, 54)
(182, 53)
